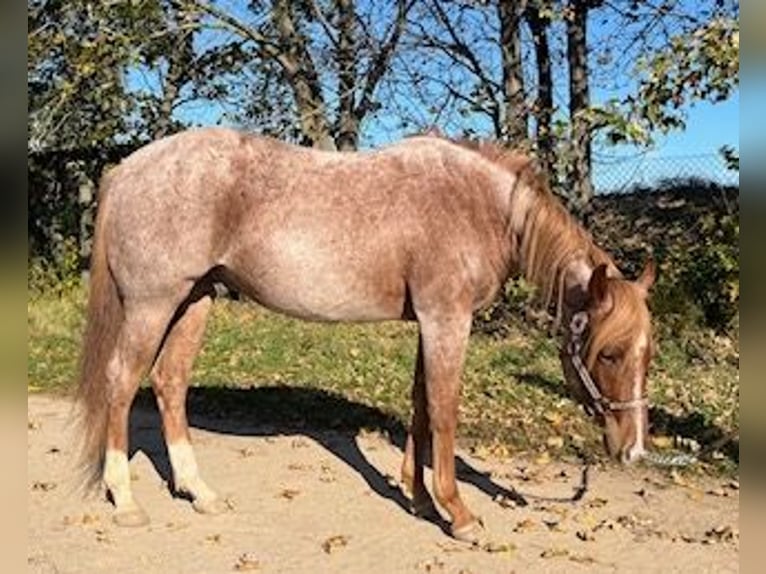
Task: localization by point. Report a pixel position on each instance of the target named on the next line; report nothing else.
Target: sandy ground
(327, 502)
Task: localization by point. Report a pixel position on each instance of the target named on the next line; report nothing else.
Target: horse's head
(606, 359)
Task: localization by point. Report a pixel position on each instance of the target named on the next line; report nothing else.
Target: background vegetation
(106, 77)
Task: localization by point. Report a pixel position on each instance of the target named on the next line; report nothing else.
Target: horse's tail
(103, 321)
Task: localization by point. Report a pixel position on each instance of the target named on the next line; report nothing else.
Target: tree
(538, 17)
(579, 176)
(85, 59)
(473, 65)
(76, 53)
(510, 13)
(332, 55)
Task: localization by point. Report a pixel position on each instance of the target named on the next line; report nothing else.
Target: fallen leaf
(450, 547)
(213, 538)
(597, 503)
(288, 493)
(494, 547)
(554, 553)
(582, 559)
(246, 563)
(661, 442)
(607, 524)
(524, 525)
(430, 565)
(553, 525)
(334, 542)
(555, 442)
(553, 417)
(543, 458)
(722, 534)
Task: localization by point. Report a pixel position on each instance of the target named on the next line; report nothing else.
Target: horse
(424, 230)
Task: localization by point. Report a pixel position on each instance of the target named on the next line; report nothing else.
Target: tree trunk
(516, 117)
(579, 102)
(538, 25)
(347, 130)
(179, 64)
(302, 75)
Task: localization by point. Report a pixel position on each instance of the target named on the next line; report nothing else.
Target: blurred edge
(753, 313)
(13, 484)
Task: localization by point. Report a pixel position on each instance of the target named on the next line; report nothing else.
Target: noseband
(600, 403)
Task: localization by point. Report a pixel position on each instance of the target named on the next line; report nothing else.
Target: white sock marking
(185, 471)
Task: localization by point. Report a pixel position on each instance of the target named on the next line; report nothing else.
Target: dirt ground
(327, 502)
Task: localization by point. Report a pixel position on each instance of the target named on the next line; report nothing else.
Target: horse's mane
(551, 238)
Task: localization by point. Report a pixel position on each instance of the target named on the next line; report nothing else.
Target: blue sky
(693, 151)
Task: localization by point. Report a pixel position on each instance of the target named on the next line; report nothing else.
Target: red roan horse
(425, 230)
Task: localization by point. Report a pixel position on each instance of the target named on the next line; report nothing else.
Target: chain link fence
(631, 173)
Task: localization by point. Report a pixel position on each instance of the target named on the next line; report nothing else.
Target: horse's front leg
(417, 444)
(445, 338)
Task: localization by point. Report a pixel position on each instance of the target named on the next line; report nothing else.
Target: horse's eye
(609, 356)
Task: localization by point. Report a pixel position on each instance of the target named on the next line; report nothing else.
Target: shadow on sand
(328, 418)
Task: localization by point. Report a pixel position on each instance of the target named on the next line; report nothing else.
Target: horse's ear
(597, 289)
(646, 279)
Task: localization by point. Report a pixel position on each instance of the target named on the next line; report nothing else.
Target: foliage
(691, 228)
(731, 157)
(515, 301)
(703, 279)
(77, 51)
(59, 274)
(702, 64)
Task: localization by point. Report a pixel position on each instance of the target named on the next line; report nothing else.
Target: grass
(513, 398)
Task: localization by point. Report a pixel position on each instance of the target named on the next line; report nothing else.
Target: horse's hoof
(472, 533)
(131, 517)
(209, 505)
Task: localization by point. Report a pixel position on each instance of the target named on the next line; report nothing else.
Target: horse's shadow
(328, 418)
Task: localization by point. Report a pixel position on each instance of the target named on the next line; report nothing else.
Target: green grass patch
(513, 398)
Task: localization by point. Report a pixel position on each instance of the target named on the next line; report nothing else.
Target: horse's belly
(313, 281)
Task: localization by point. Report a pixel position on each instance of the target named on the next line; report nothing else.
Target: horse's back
(337, 235)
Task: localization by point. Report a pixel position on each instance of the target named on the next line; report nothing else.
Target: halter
(601, 404)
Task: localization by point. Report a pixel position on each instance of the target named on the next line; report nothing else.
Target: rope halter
(600, 404)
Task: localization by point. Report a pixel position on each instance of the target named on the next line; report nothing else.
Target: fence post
(85, 199)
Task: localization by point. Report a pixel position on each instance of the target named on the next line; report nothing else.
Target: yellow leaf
(555, 442)
(662, 442)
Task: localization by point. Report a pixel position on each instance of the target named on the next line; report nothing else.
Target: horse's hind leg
(140, 336)
(417, 443)
(170, 378)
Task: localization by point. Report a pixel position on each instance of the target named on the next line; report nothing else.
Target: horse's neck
(554, 251)
(575, 296)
